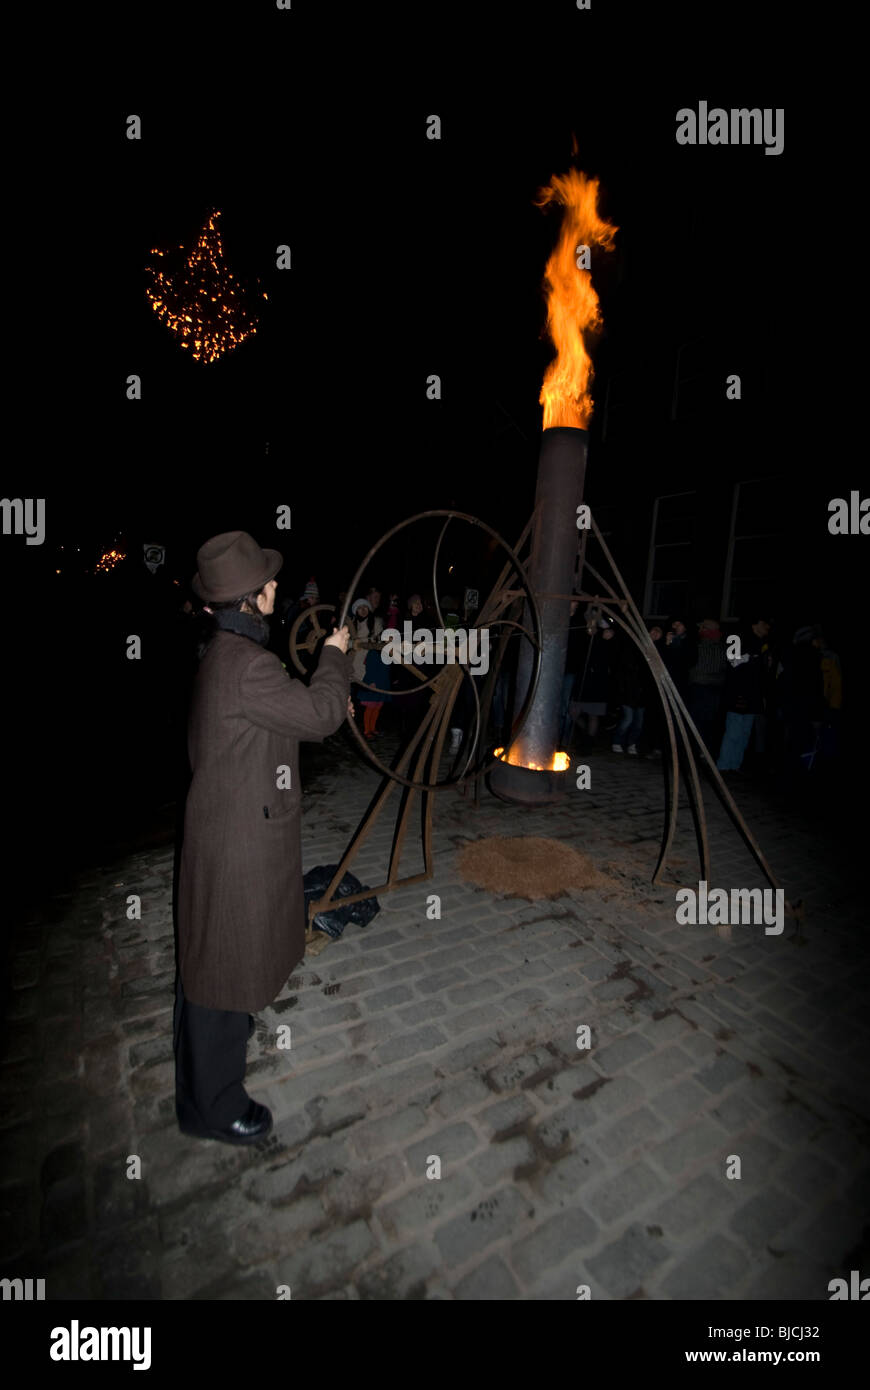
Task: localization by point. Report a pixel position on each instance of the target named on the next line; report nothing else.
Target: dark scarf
(245, 624)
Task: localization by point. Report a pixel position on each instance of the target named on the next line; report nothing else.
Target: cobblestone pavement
(457, 1038)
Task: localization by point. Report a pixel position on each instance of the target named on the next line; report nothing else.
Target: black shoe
(253, 1126)
(252, 1026)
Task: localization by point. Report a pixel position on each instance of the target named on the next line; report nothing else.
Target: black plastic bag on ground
(317, 881)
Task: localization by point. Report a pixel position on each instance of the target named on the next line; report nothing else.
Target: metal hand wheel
(309, 643)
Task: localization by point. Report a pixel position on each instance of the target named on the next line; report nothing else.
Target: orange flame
(572, 304)
(560, 762)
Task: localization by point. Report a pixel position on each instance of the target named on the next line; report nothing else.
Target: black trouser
(210, 1059)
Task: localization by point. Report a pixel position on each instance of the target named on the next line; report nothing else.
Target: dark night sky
(409, 257)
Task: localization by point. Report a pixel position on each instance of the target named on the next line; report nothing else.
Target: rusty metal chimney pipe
(559, 492)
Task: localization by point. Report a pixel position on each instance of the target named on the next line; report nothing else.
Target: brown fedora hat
(232, 564)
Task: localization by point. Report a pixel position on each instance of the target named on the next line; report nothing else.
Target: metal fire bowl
(526, 787)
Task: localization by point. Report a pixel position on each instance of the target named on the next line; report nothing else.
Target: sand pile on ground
(529, 867)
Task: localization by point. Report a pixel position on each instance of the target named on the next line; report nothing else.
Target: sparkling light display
(200, 299)
(109, 560)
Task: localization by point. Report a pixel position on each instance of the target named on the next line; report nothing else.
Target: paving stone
(403, 1276)
(386, 1133)
(64, 1215)
(415, 1084)
(500, 1161)
(757, 1157)
(790, 1278)
(700, 1203)
(827, 1234)
(421, 1010)
(721, 1073)
(429, 1199)
(559, 1185)
(522, 1000)
(442, 980)
(617, 1095)
(317, 1266)
(563, 1236)
(60, 1163)
(759, 1219)
(491, 1281)
(509, 1075)
(622, 1053)
(701, 1140)
(356, 1192)
(498, 1120)
(467, 1094)
(631, 1187)
(633, 1131)
(715, 1265)
(126, 1263)
(792, 1125)
(378, 1030)
(451, 1145)
(20, 1208)
(286, 1226)
(809, 1176)
(475, 992)
(622, 1266)
(554, 1135)
(380, 940)
(406, 1045)
(331, 1113)
(503, 1213)
(735, 1112)
(662, 1068)
(117, 1197)
(388, 998)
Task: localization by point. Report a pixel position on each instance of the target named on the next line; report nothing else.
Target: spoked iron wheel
(428, 741)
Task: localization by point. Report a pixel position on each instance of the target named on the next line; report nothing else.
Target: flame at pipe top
(560, 762)
(572, 304)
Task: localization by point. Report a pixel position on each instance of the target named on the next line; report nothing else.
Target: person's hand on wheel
(350, 706)
(339, 639)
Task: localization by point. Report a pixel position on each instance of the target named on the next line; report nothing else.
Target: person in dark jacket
(574, 658)
(743, 695)
(707, 681)
(654, 719)
(289, 611)
(241, 915)
(411, 707)
(630, 693)
(593, 684)
(678, 654)
(801, 690)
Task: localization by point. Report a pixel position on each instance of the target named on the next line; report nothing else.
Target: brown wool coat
(241, 908)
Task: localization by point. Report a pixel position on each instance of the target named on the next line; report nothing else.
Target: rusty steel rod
(717, 776)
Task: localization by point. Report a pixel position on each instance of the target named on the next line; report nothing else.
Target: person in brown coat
(241, 908)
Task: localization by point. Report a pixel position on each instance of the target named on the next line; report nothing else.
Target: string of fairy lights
(109, 559)
(201, 301)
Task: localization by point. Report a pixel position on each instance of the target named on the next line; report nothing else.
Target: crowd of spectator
(750, 692)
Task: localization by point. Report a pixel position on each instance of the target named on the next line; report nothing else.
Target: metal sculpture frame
(510, 591)
(428, 740)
